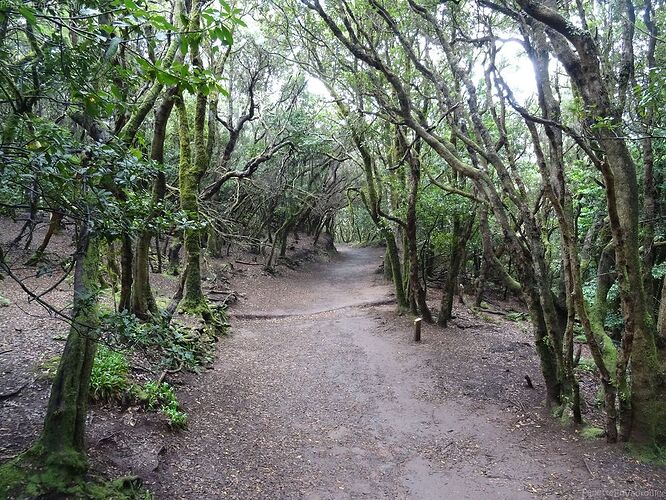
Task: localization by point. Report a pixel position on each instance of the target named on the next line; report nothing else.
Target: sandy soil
(320, 393)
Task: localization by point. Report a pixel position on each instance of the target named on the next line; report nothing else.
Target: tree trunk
(661, 317)
(214, 243)
(395, 267)
(642, 405)
(461, 234)
(143, 302)
(388, 270)
(481, 282)
(54, 225)
(192, 166)
(63, 436)
(418, 292)
(547, 359)
(126, 273)
(283, 243)
(189, 191)
(173, 257)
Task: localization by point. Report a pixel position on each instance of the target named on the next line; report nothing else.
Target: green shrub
(109, 377)
(177, 346)
(177, 418)
(162, 397)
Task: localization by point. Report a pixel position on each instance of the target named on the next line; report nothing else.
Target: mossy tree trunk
(126, 272)
(551, 166)
(661, 317)
(191, 168)
(461, 234)
(411, 153)
(642, 397)
(62, 440)
(395, 266)
(189, 190)
(143, 301)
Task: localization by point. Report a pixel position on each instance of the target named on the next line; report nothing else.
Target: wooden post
(417, 330)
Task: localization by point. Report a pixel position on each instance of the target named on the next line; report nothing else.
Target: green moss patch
(591, 432)
(655, 455)
(36, 474)
(46, 370)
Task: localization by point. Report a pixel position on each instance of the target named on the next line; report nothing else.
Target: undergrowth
(516, 316)
(587, 365)
(110, 381)
(169, 345)
(110, 374)
(655, 455)
(162, 397)
(592, 432)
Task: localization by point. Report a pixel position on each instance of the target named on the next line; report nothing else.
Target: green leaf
(183, 46)
(161, 23)
(208, 18)
(29, 14)
(167, 78)
(222, 34)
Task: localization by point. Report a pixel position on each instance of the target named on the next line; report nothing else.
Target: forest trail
(317, 395)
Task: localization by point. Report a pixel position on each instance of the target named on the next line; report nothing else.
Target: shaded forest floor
(319, 392)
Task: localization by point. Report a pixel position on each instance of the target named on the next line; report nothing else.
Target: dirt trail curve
(312, 398)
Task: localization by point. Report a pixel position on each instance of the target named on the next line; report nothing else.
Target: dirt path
(318, 395)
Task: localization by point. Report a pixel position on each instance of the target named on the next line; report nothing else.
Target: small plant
(4, 302)
(156, 394)
(516, 316)
(177, 418)
(162, 397)
(591, 432)
(587, 365)
(109, 377)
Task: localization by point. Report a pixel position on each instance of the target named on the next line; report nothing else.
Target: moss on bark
(39, 474)
(56, 463)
